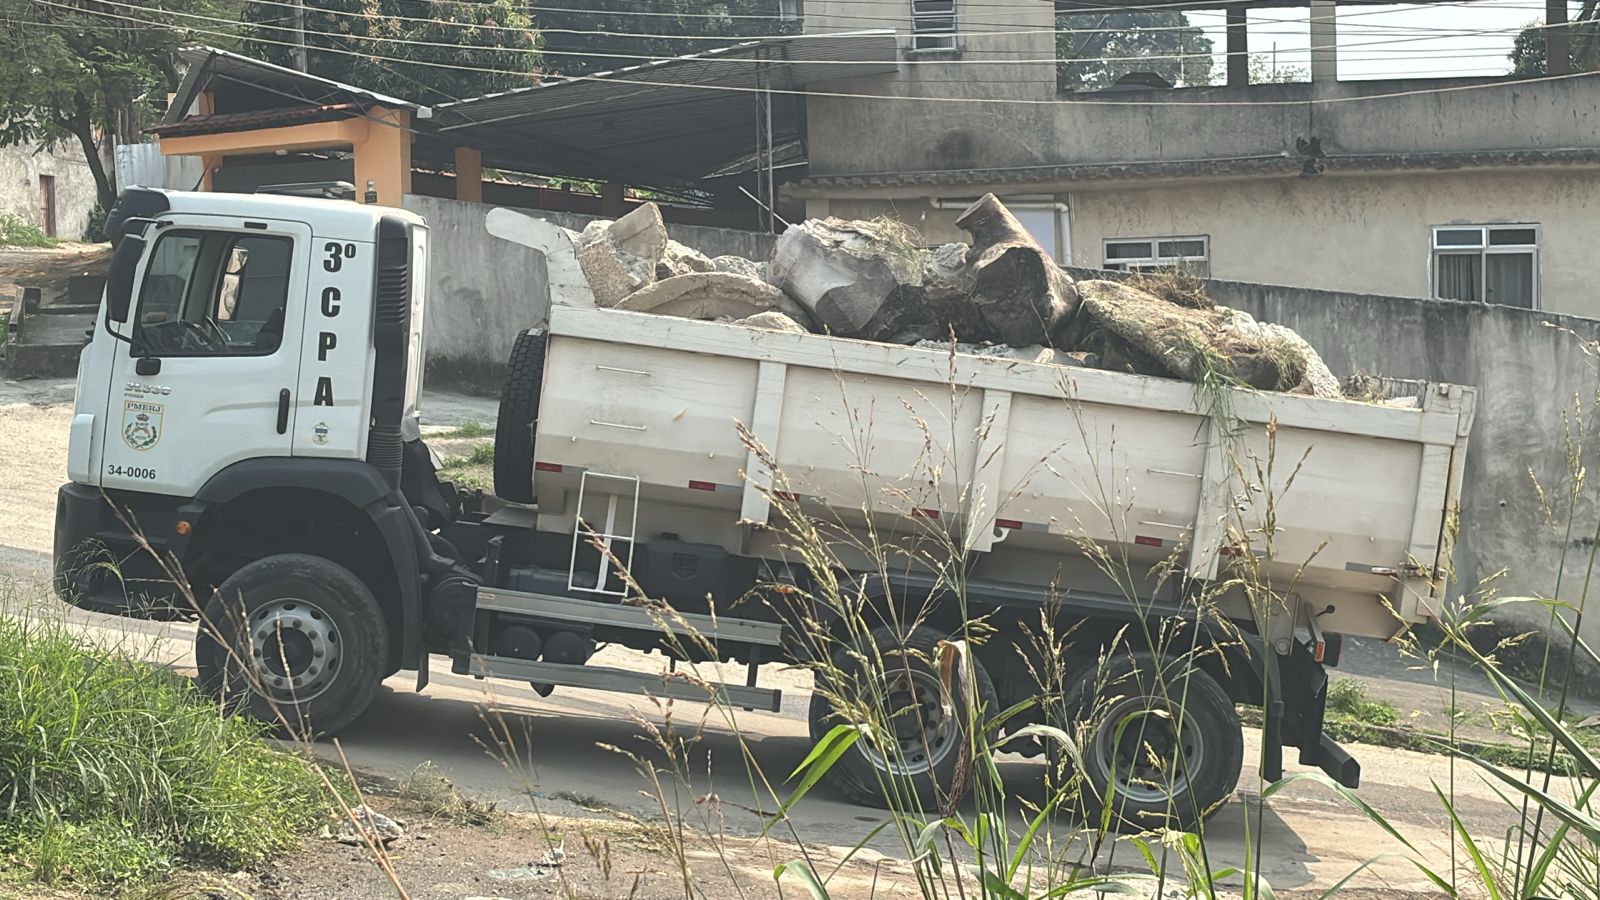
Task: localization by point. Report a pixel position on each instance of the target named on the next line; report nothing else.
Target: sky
(1436, 40)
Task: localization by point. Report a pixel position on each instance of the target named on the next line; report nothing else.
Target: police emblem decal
(141, 424)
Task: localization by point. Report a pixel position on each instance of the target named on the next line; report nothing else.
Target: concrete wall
(1530, 376)
(1033, 129)
(482, 291)
(20, 168)
(1368, 234)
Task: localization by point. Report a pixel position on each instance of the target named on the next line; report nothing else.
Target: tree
(1262, 71)
(1094, 50)
(89, 72)
(1530, 56)
(430, 51)
(604, 28)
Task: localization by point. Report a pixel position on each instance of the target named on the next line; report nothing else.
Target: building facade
(50, 187)
(1472, 189)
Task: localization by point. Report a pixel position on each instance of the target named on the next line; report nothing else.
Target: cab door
(208, 375)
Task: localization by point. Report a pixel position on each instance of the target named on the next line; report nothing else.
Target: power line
(998, 101)
(646, 59)
(1011, 32)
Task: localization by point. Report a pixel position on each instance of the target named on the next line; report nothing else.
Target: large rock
(858, 279)
(1021, 295)
(1137, 331)
(621, 257)
(773, 320)
(738, 265)
(947, 285)
(678, 259)
(712, 295)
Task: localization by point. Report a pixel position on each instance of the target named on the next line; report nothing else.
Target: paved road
(1310, 839)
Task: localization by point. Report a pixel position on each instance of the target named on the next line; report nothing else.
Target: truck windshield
(213, 293)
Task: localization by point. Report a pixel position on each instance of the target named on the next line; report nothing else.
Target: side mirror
(119, 281)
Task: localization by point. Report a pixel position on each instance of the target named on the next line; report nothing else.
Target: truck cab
(251, 386)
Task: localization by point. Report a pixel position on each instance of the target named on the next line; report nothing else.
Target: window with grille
(933, 24)
(1190, 254)
(1487, 264)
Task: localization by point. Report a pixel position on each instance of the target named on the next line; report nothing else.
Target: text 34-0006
(130, 472)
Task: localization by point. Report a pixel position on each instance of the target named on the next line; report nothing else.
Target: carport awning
(669, 122)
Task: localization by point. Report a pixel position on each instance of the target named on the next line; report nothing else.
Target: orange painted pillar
(209, 164)
(469, 174)
(383, 160)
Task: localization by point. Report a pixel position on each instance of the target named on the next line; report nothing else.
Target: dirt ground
(34, 418)
(51, 266)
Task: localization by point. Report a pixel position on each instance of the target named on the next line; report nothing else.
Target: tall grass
(114, 771)
(14, 232)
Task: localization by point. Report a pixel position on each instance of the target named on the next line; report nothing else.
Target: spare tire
(519, 412)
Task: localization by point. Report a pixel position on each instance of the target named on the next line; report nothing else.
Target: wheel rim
(924, 731)
(295, 651)
(1151, 760)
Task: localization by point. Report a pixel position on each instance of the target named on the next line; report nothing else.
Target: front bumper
(101, 565)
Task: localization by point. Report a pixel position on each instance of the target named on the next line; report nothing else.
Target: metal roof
(675, 121)
(266, 118)
(266, 84)
(1246, 166)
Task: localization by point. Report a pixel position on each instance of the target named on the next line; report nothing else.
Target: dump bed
(1027, 464)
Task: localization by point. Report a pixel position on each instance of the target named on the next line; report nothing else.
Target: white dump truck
(246, 440)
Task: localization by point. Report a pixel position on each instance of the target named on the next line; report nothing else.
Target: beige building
(48, 187)
(1464, 188)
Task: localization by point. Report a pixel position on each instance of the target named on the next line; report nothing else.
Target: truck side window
(213, 293)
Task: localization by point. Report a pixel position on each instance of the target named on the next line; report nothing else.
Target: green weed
(14, 232)
(467, 429)
(113, 771)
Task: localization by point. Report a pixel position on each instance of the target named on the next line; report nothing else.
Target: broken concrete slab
(568, 284)
(858, 279)
(621, 257)
(1020, 294)
(712, 295)
(678, 259)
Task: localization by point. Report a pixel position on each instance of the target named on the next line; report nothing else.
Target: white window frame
(1155, 260)
(1483, 250)
(929, 31)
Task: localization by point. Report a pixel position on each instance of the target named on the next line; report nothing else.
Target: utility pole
(1557, 40)
(300, 35)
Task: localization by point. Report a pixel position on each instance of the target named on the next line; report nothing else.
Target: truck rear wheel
(1162, 744)
(519, 410)
(297, 641)
(927, 753)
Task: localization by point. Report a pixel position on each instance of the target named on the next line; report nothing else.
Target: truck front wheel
(1161, 743)
(926, 750)
(295, 640)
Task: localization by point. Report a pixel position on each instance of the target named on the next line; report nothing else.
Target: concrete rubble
(676, 259)
(711, 295)
(621, 257)
(1002, 296)
(858, 279)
